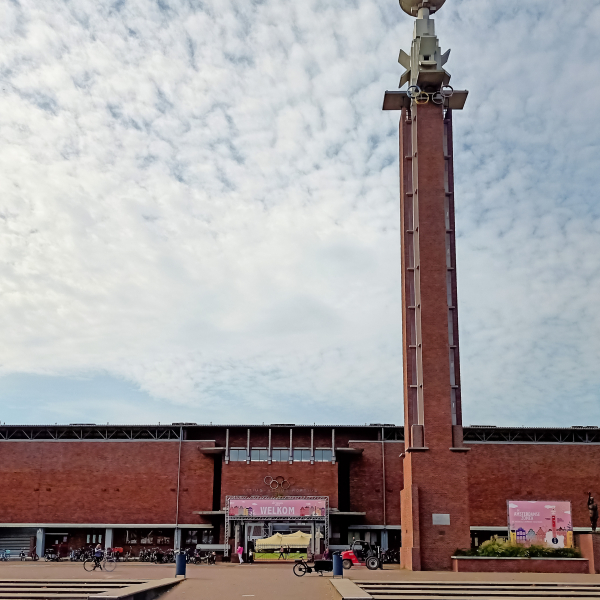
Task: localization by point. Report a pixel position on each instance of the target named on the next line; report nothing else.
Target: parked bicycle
(169, 556)
(145, 555)
(51, 556)
(75, 554)
(207, 558)
(390, 556)
(302, 567)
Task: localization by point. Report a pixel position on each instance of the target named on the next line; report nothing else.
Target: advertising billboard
(541, 523)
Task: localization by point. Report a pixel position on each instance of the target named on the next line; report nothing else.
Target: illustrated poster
(541, 523)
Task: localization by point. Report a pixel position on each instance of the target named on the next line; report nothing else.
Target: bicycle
(390, 556)
(108, 563)
(320, 566)
(129, 555)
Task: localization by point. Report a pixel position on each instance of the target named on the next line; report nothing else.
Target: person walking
(240, 552)
(281, 553)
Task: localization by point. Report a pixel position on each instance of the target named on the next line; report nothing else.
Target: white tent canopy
(292, 540)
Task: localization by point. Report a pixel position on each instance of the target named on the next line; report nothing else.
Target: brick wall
(501, 472)
(102, 482)
(241, 479)
(136, 482)
(366, 482)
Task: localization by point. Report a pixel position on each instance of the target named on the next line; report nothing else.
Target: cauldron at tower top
(412, 6)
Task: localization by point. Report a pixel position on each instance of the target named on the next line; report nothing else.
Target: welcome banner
(276, 507)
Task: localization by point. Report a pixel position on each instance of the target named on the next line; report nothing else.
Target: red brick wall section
(502, 472)
(366, 482)
(135, 482)
(241, 479)
(196, 482)
(101, 482)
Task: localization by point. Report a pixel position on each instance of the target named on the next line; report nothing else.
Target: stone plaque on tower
(434, 501)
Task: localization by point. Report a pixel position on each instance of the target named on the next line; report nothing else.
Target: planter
(497, 564)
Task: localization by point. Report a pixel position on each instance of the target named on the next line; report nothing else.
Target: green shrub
(461, 552)
(498, 547)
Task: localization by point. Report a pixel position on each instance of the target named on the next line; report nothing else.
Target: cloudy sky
(199, 210)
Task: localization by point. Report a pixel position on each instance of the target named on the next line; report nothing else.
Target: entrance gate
(291, 509)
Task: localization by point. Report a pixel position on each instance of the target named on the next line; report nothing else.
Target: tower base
(434, 509)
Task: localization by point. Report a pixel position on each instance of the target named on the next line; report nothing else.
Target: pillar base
(410, 558)
(589, 544)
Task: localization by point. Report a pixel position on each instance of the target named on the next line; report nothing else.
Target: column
(384, 539)
(40, 541)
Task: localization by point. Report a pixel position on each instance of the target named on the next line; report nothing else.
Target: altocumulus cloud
(201, 199)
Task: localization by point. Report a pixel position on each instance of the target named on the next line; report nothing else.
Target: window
(323, 455)
(301, 454)
(280, 454)
(147, 537)
(163, 538)
(131, 537)
(237, 454)
(192, 537)
(259, 454)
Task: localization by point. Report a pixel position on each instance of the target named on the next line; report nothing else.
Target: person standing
(240, 552)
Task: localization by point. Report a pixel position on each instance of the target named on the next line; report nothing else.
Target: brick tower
(434, 501)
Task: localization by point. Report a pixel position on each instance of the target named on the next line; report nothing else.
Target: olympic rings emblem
(279, 482)
(415, 93)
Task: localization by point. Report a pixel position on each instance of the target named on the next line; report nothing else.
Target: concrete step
(474, 590)
(468, 596)
(83, 589)
(489, 592)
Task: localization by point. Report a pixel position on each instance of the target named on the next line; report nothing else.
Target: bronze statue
(593, 510)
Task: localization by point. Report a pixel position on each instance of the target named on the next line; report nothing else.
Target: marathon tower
(434, 501)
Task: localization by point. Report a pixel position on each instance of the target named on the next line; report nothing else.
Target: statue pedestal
(589, 544)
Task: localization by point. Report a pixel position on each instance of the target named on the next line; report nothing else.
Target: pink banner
(276, 507)
(541, 523)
